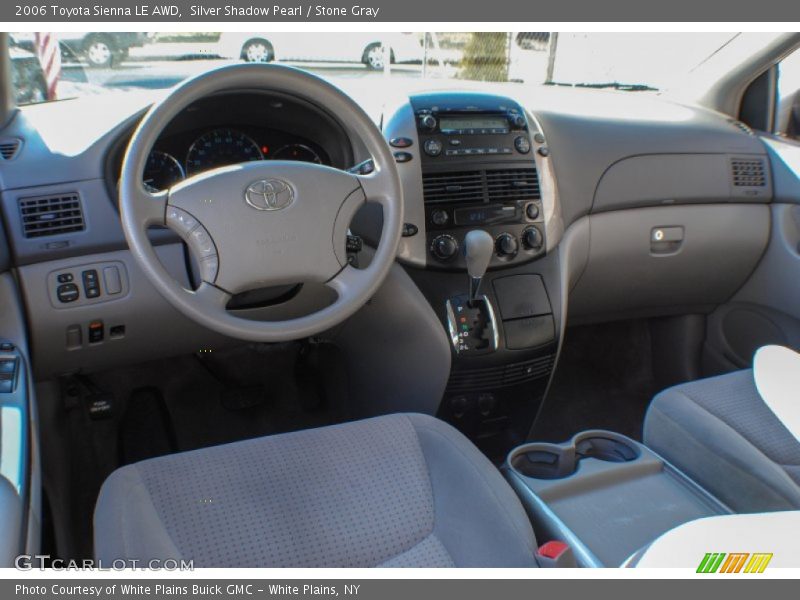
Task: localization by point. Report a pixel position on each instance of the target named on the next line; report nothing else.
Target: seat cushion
(399, 490)
(722, 434)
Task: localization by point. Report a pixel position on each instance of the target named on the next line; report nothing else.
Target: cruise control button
(209, 266)
(181, 221)
(201, 242)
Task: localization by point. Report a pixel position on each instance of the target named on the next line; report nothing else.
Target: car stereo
(479, 171)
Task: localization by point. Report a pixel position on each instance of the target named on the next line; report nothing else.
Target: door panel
(766, 310)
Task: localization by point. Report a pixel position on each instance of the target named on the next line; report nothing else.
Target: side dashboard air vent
(749, 172)
(51, 215)
(9, 148)
(481, 186)
(497, 377)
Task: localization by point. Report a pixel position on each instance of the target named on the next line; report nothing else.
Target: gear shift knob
(478, 251)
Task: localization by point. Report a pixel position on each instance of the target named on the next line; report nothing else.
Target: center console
(482, 214)
(604, 495)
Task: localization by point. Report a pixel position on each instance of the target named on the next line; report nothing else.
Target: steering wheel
(265, 223)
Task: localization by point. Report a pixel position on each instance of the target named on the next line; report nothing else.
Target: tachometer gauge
(219, 148)
(298, 152)
(162, 171)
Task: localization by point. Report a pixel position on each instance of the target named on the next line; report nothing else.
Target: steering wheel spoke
(149, 208)
(348, 280)
(211, 297)
(377, 187)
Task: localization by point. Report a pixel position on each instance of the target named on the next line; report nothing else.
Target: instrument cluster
(177, 157)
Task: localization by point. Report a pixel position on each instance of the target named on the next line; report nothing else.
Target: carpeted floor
(604, 380)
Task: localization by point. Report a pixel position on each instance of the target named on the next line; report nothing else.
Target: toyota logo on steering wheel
(269, 194)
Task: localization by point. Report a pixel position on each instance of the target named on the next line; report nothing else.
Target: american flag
(49, 55)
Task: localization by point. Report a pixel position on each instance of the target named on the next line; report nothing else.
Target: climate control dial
(506, 245)
(444, 247)
(532, 239)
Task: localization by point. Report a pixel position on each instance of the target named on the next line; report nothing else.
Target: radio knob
(517, 121)
(532, 238)
(522, 144)
(439, 217)
(427, 122)
(433, 147)
(506, 245)
(444, 247)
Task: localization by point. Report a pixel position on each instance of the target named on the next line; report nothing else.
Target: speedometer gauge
(219, 148)
(298, 152)
(162, 171)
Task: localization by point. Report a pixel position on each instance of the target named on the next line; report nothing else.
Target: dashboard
(627, 201)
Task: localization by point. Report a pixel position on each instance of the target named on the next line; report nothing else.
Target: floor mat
(145, 430)
(604, 380)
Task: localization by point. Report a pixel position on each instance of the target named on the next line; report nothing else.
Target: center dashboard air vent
(481, 185)
(51, 215)
(748, 172)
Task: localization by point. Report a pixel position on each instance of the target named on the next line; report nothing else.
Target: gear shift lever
(478, 250)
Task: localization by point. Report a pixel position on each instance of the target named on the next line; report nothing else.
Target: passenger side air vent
(513, 184)
(490, 378)
(462, 186)
(748, 172)
(494, 185)
(9, 148)
(51, 215)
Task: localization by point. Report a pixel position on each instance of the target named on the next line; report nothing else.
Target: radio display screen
(462, 123)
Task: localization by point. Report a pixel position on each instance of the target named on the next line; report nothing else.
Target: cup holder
(557, 461)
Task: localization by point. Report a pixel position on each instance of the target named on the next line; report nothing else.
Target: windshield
(370, 66)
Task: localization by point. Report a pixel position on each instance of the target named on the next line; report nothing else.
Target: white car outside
(365, 48)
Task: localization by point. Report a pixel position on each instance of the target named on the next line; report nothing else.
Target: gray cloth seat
(723, 435)
(399, 490)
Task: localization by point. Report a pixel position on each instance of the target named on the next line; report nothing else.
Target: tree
(485, 57)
